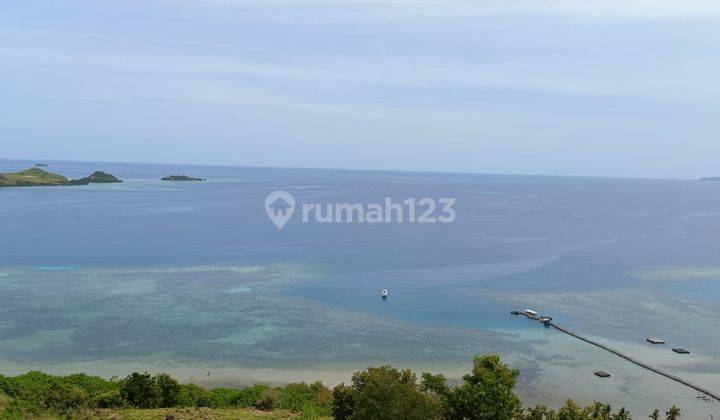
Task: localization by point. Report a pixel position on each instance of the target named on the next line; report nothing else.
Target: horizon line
(439, 172)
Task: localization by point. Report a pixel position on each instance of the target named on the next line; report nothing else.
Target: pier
(630, 359)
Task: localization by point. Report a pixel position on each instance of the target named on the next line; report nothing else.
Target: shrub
(296, 396)
(63, 397)
(249, 396)
(20, 409)
(93, 385)
(192, 395)
(29, 386)
(323, 397)
(144, 391)
(269, 400)
(4, 400)
(311, 399)
(109, 399)
(141, 391)
(224, 397)
(169, 390)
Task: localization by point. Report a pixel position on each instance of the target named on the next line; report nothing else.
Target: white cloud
(639, 9)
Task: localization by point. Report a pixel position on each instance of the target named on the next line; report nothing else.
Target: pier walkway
(635, 361)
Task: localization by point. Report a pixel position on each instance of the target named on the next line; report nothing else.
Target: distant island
(711, 178)
(36, 177)
(181, 178)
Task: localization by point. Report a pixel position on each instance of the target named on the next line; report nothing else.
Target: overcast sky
(591, 87)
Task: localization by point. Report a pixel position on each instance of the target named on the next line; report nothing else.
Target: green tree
(141, 391)
(595, 410)
(169, 389)
(343, 402)
(309, 399)
(381, 393)
(655, 415)
(673, 413)
(605, 412)
(539, 412)
(434, 384)
(571, 411)
(487, 393)
(623, 414)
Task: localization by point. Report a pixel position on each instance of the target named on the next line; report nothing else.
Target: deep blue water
(514, 236)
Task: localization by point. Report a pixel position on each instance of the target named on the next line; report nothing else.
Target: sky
(591, 87)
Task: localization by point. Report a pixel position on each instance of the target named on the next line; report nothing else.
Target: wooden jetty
(633, 360)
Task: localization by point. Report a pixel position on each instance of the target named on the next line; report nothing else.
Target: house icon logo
(279, 206)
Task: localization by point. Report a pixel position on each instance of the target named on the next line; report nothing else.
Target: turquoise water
(194, 274)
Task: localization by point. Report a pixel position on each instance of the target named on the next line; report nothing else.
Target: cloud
(637, 9)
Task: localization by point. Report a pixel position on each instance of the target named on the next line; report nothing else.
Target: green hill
(36, 177)
(99, 177)
(32, 177)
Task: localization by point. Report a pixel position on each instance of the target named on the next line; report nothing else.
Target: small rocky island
(181, 178)
(711, 178)
(36, 177)
(99, 177)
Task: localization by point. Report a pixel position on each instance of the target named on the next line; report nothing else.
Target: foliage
(225, 397)
(248, 397)
(109, 399)
(141, 391)
(385, 393)
(312, 398)
(375, 393)
(169, 390)
(343, 402)
(434, 384)
(192, 395)
(269, 400)
(36, 391)
(144, 391)
(487, 393)
(539, 412)
(673, 413)
(63, 397)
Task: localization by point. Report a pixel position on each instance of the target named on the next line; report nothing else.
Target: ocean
(192, 277)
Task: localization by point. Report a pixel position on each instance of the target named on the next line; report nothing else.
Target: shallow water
(189, 277)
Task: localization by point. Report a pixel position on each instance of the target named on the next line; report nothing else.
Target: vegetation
(35, 177)
(380, 393)
(181, 178)
(97, 177)
(32, 177)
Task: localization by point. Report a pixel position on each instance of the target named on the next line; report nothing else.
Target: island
(36, 177)
(711, 178)
(100, 177)
(181, 178)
